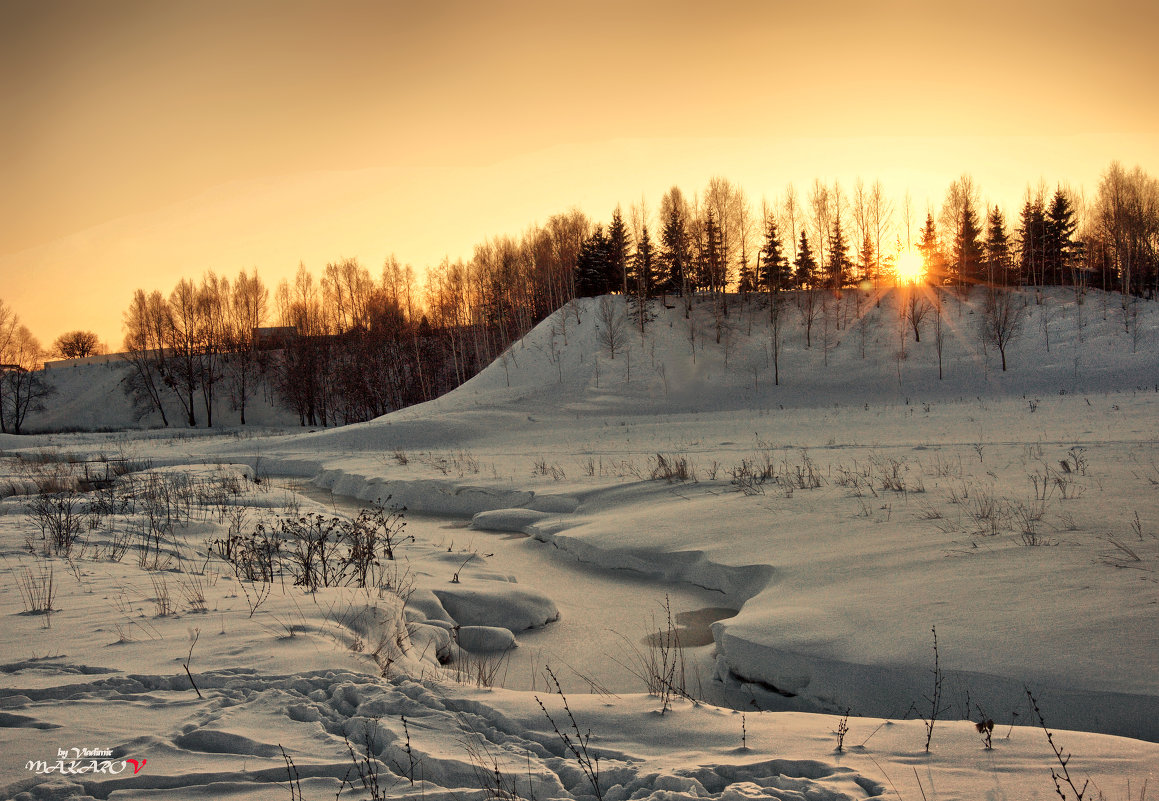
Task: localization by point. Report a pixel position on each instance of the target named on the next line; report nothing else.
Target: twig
(1063, 759)
(193, 636)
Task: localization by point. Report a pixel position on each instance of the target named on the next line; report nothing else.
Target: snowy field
(734, 586)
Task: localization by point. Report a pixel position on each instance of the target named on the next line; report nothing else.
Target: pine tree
(1031, 237)
(805, 264)
(746, 278)
(592, 266)
(774, 276)
(999, 265)
(838, 256)
(711, 255)
(1059, 247)
(868, 259)
(618, 246)
(675, 255)
(931, 252)
(643, 279)
(967, 249)
(643, 270)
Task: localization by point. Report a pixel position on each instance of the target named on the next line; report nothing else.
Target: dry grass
(37, 589)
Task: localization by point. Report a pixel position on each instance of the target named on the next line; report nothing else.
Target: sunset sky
(146, 141)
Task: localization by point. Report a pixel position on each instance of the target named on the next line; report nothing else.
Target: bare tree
(862, 222)
(1125, 217)
(809, 305)
(77, 345)
(830, 313)
(247, 309)
(146, 324)
(880, 222)
(212, 336)
(819, 204)
(791, 218)
(1003, 312)
(746, 228)
(9, 323)
(611, 325)
(22, 388)
(776, 324)
(182, 359)
(916, 308)
(939, 326)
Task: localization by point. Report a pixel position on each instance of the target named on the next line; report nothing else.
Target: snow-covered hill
(859, 351)
(91, 397)
(811, 537)
(845, 511)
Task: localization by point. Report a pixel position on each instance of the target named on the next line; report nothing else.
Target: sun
(910, 268)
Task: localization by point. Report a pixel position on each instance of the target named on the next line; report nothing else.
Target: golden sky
(143, 141)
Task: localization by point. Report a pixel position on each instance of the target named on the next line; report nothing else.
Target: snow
(499, 603)
(558, 498)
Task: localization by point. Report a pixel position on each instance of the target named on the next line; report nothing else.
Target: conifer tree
(675, 255)
(999, 265)
(867, 259)
(805, 273)
(592, 266)
(618, 246)
(1060, 250)
(838, 256)
(643, 271)
(806, 277)
(1031, 235)
(746, 278)
(931, 252)
(643, 279)
(774, 276)
(711, 255)
(968, 249)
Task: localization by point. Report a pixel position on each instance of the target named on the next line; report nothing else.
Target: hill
(846, 510)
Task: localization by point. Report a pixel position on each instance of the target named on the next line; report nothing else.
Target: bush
(317, 550)
(60, 519)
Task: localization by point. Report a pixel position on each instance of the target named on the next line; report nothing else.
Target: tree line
(832, 238)
(347, 345)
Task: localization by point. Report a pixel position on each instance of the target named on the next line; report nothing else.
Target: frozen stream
(604, 614)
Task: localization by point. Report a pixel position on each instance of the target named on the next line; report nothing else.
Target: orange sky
(145, 141)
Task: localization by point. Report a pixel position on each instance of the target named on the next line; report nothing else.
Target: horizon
(160, 142)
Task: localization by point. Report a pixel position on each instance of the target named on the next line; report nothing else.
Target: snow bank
(497, 603)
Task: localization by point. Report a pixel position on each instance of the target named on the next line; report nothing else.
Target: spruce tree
(643, 279)
(712, 255)
(643, 270)
(1031, 237)
(997, 250)
(774, 275)
(746, 278)
(931, 253)
(591, 267)
(805, 264)
(675, 255)
(967, 249)
(868, 259)
(838, 257)
(618, 246)
(1059, 246)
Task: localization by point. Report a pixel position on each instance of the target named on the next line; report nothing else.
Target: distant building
(274, 336)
